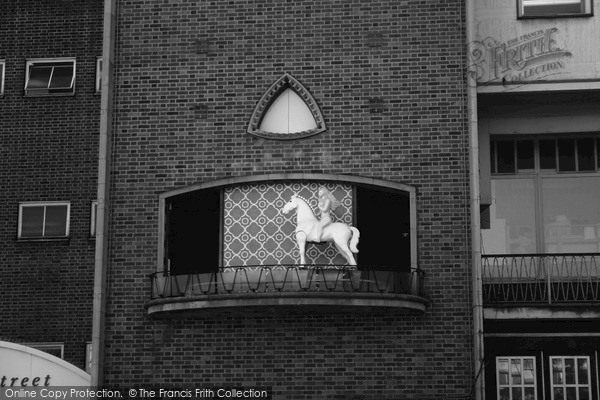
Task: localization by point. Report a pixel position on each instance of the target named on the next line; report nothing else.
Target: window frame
(587, 6)
(45, 346)
(93, 220)
(510, 385)
(565, 385)
(89, 353)
(98, 81)
(539, 175)
(43, 204)
(53, 62)
(2, 75)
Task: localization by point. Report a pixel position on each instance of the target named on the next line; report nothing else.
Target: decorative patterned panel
(255, 232)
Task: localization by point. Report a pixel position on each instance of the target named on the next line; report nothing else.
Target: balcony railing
(541, 278)
(289, 285)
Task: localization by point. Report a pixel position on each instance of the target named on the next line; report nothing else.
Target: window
(55, 349)
(2, 68)
(50, 77)
(516, 378)
(288, 114)
(554, 8)
(43, 220)
(88, 357)
(93, 211)
(545, 193)
(286, 111)
(98, 74)
(570, 378)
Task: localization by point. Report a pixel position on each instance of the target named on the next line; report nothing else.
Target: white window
(50, 77)
(43, 220)
(288, 114)
(554, 8)
(516, 377)
(98, 74)
(545, 196)
(570, 378)
(55, 349)
(93, 212)
(2, 69)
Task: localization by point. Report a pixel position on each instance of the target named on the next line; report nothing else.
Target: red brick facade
(417, 137)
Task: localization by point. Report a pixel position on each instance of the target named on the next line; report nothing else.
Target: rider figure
(327, 203)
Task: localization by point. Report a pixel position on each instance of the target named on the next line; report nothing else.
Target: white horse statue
(337, 232)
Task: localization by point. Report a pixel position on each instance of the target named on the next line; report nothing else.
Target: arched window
(286, 111)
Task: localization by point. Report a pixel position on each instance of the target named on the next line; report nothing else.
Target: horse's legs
(301, 240)
(345, 251)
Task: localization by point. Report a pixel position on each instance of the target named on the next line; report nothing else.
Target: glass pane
(547, 154)
(598, 152)
(503, 371)
(528, 372)
(39, 77)
(557, 368)
(504, 394)
(571, 393)
(56, 221)
(571, 214)
(584, 394)
(515, 372)
(529, 393)
(32, 219)
(525, 159)
(551, 8)
(517, 393)
(559, 393)
(506, 156)
(582, 371)
(570, 371)
(493, 156)
(585, 155)
(62, 77)
(566, 155)
(288, 114)
(512, 218)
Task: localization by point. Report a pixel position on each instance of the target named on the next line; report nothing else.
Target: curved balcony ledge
(312, 288)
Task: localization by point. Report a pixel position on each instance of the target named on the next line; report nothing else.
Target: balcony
(311, 287)
(541, 279)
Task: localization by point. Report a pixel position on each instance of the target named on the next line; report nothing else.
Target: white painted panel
(288, 114)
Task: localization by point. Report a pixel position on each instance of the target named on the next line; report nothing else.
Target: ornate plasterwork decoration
(285, 82)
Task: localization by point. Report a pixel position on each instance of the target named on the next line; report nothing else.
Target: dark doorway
(193, 232)
(383, 218)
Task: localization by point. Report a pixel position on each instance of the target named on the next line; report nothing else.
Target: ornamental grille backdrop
(257, 233)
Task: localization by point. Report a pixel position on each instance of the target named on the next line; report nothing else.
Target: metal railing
(541, 278)
(286, 278)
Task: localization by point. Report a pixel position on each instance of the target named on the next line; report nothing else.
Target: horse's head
(290, 205)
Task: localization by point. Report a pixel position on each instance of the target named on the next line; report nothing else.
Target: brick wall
(48, 152)
(420, 139)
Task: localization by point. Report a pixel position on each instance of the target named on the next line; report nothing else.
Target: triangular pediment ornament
(286, 111)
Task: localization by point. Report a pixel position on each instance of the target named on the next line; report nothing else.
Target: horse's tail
(354, 240)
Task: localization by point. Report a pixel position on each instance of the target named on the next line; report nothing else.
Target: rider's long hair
(325, 193)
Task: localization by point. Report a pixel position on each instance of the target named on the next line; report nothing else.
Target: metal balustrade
(286, 278)
(541, 278)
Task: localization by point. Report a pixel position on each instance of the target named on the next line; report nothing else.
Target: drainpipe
(101, 259)
(479, 385)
